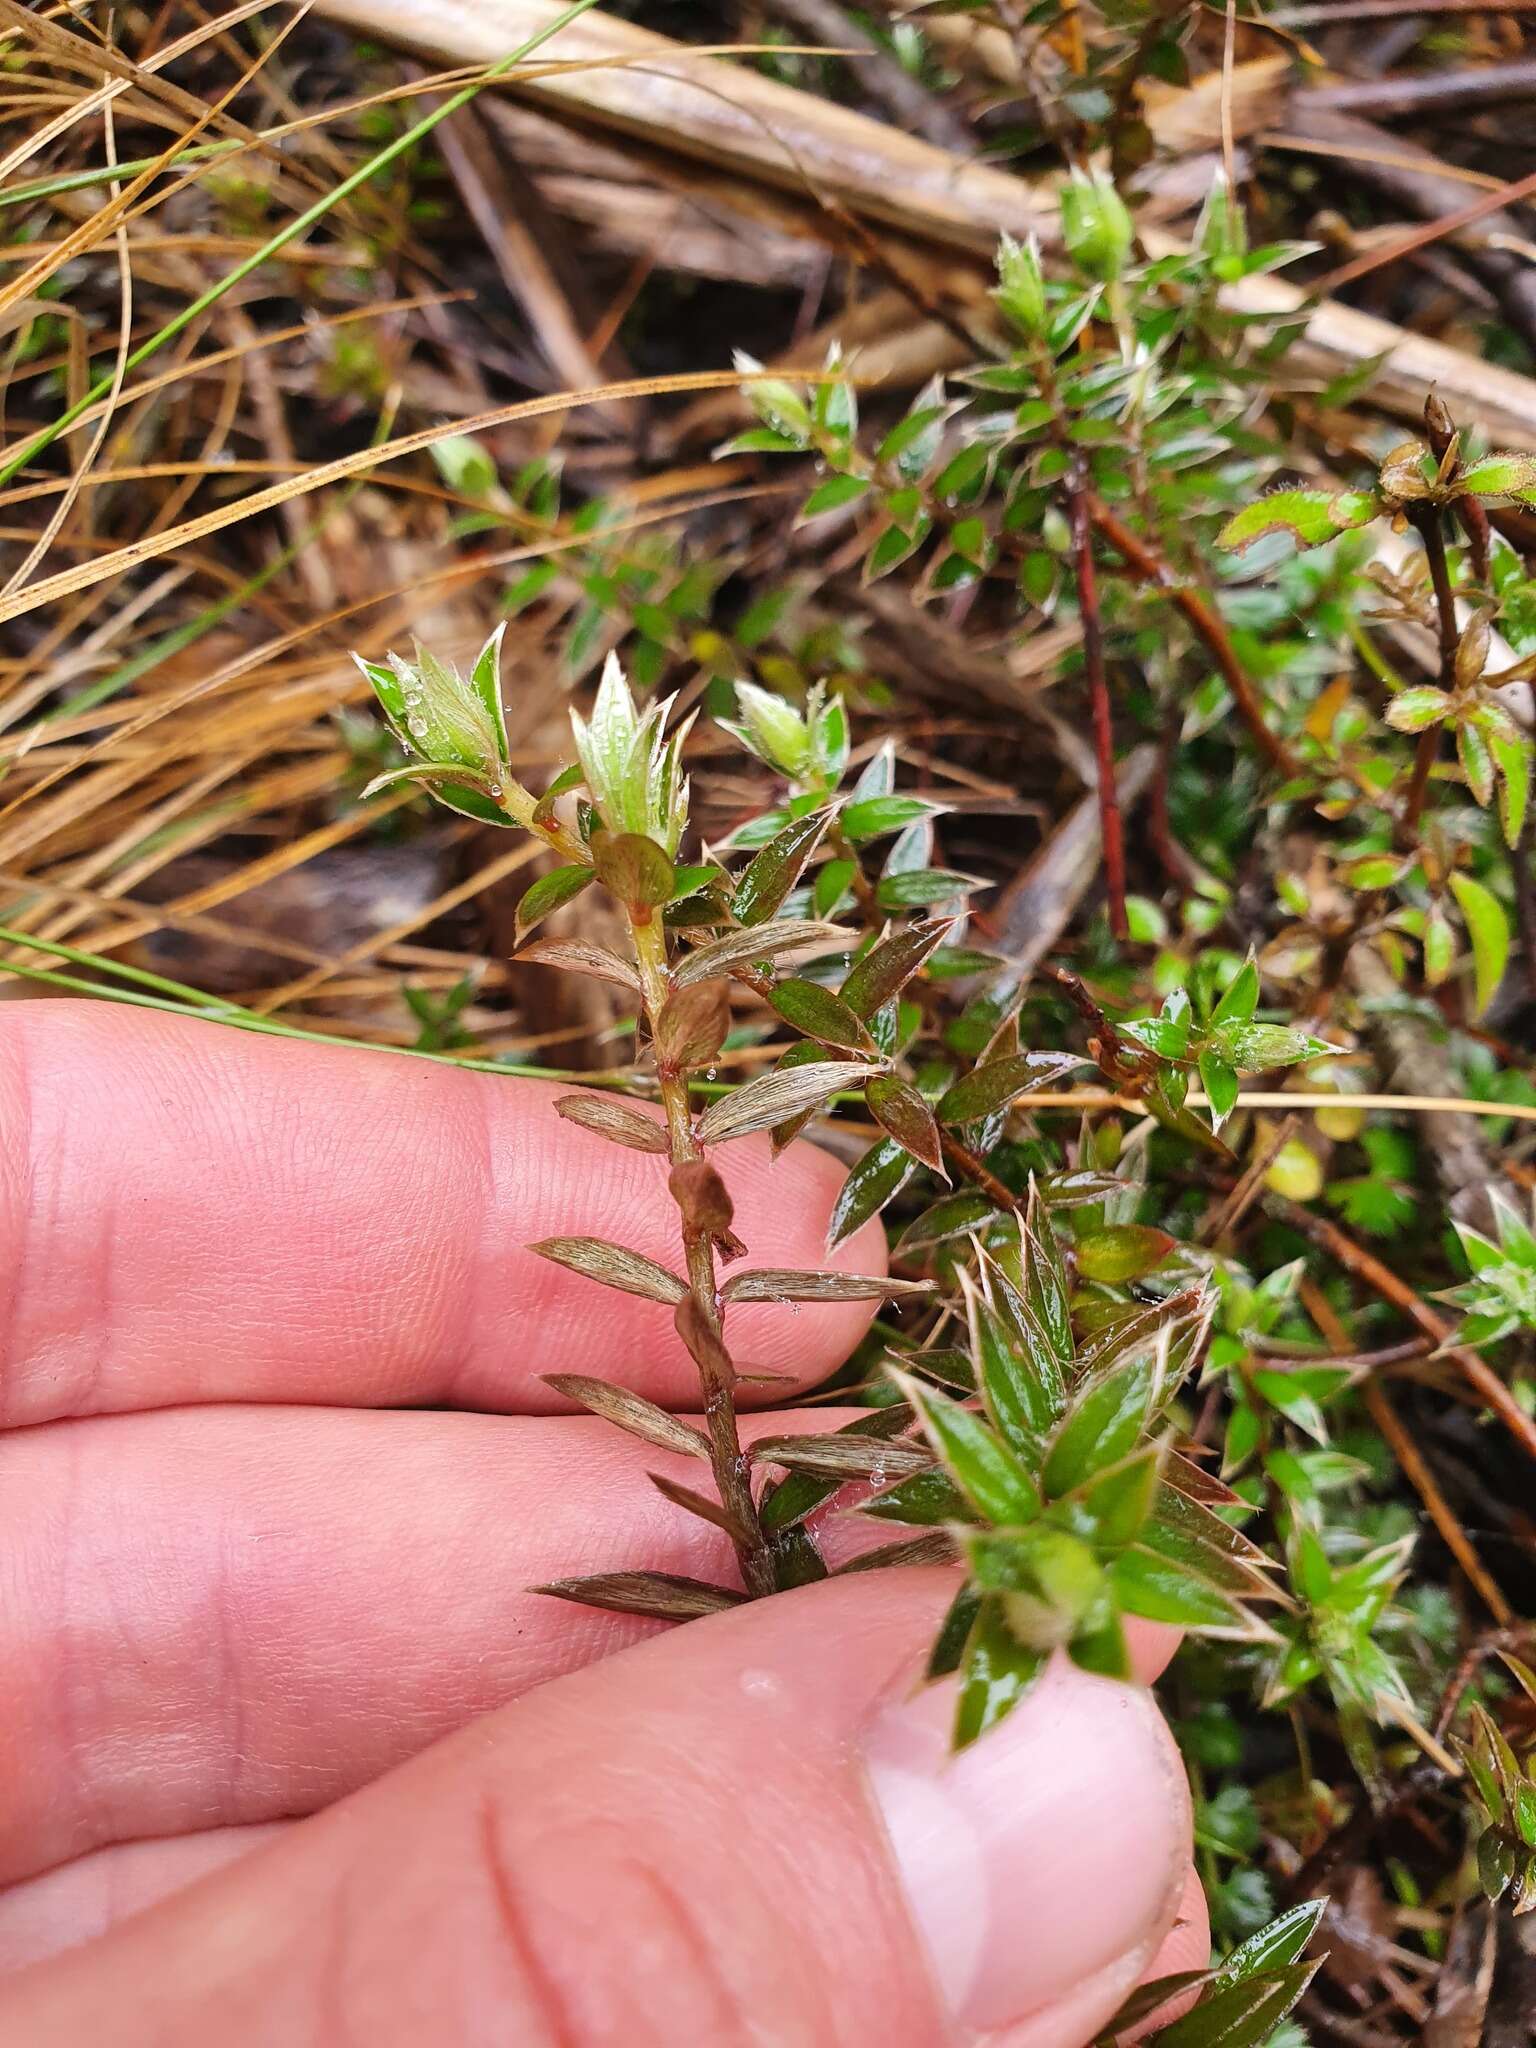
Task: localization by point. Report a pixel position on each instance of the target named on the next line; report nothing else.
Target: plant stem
(1426, 521)
(1380, 1278)
(863, 888)
(520, 805)
(1144, 561)
(733, 1478)
(1111, 828)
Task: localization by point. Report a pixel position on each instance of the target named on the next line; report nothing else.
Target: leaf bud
(1095, 226)
(1020, 292)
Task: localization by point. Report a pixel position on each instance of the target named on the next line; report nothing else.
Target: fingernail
(1042, 1855)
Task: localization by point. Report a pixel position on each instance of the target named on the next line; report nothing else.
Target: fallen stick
(648, 85)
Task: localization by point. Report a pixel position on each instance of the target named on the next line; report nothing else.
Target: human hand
(270, 1659)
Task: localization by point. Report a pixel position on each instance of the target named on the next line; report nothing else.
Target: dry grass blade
(86, 574)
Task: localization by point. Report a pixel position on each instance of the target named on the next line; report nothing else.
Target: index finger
(191, 1214)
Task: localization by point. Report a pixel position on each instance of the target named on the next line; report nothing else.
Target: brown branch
(1111, 828)
(1365, 1266)
(979, 1173)
(1413, 1464)
(1426, 522)
(1203, 619)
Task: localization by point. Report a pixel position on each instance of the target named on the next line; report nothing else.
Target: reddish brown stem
(980, 1174)
(1412, 1462)
(1426, 520)
(1201, 616)
(1111, 827)
(1354, 1258)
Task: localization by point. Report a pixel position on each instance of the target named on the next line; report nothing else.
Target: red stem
(1144, 561)
(1111, 826)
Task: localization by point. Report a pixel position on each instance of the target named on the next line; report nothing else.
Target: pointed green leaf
(819, 1014)
(1488, 929)
(771, 874)
(987, 1471)
(986, 1088)
(898, 1108)
(1159, 1591)
(887, 968)
(1121, 1252)
(1310, 517)
(996, 1672)
(875, 1179)
(547, 894)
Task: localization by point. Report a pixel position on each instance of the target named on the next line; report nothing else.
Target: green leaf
(928, 1500)
(898, 1108)
(1512, 757)
(1159, 1591)
(1121, 1252)
(1044, 1360)
(1120, 1500)
(1099, 1644)
(1488, 929)
(877, 815)
(996, 1672)
(547, 894)
(1413, 710)
(1499, 476)
(954, 1633)
(985, 1469)
(913, 442)
(1221, 1086)
(819, 1014)
(916, 888)
(1045, 1283)
(832, 495)
(888, 967)
(1020, 1408)
(1252, 1048)
(1310, 517)
(633, 868)
(1242, 2015)
(1242, 996)
(772, 873)
(1102, 1426)
(1276, 1946)
(986, 1088)
(951, 1216)
(875, 1179)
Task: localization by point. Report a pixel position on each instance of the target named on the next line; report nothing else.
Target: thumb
(748, 1831)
